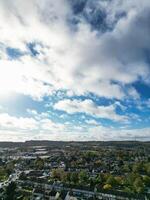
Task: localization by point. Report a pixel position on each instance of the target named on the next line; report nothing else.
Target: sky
(74, 70)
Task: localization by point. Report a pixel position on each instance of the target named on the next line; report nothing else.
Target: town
(74, 170)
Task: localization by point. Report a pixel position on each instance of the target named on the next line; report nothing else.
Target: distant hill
(60, 144)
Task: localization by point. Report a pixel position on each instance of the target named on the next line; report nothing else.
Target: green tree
(63, 176)
(97, 163)
(99, 179)
(138, 185)
(90, 155)
(147, 168)
(39, 163)
(83, 177)
(58, 174)
(130, 178)
(10, 167)
(22, 176)
(107, 187)
(111, 181)
(10, 191)
(74, 177)
(126, 168)
(146, 180)
(68, 178)
(119, 180)
(137, 167)
(3, 174)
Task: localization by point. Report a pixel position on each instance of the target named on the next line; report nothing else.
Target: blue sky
(74, 70)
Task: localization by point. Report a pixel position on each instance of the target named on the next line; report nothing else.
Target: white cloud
(105, 133)
(22, 77)
(32, 112)
(87, 106)
(11, 122)
(14, 128)
(67, 60)
(94, 133)
(79, 60)
(122, 107)
(37, 122)
(92, 122)
(49, 125)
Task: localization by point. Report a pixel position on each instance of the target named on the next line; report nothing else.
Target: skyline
(74, 70)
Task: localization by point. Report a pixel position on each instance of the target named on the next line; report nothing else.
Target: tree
(64, 176)
(111, 181)
(146, 180)
(131, 178)
(39, 163)
(97, 163)
(126, 168)
(26, 198)
(147, 168)
(99, 179)
(128, 189)
(68, 178)
(90, 155)
(22, 176)
(92, 182)
(119, 180)
(138, 185)
(137, 167)
(10, 191)
(10, 167)
(107, 187)
(3, 174)
(74, 177)
(58, 174)
(83, 176)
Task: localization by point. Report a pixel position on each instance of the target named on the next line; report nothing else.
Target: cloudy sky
(74, 70)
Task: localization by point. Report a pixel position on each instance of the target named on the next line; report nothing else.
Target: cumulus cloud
(92, 122)
(105, 133)
(101, 63)
(12, 131)
(36, 123)
(91, 47)
(87, 106)
(11, 122)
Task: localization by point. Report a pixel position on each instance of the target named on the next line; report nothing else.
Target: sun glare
(9, 80)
